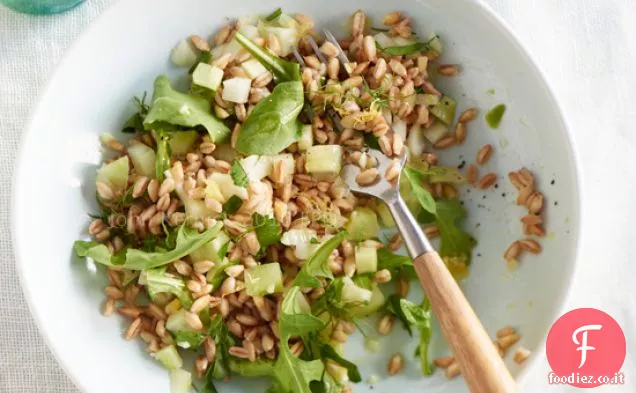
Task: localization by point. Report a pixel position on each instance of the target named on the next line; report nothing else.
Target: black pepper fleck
(553, 181)
(477, 225)
(483, 197)
(496, 185)
(503, 194)
(478, 254)
(556, 203)
(461, 165)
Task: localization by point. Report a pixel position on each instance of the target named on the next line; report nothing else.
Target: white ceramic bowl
(120, 55)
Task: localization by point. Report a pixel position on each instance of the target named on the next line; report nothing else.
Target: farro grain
(468, 115)
(109, 307)
(96, 226)
(234, 271)
(391, 18)
(443, 361)
(460, 132)
(200, 365)
(535, 202)
(113, 278)
(130, 295)
(505, 331)
(134, 329)
(104, 191)
(263, 80)
(531, 219)
(367, 177)
(395, 242)
(224, 307)
(431, 231)
(194, 286)
(530, 245)
(449, 191)
(130, 312)
(358, 23)
(164, 203)
(156, 220)
(385, 324)
(193, 320)
(526, 177)
(380, 69)
(513, 251)
(382, 276)
(333, 68)
(452, 370)
(228, 286)
(349, 267)
(153, 190)
(200, 43)
(484, 154)
(200, 304)
(140, 186)
(234, 327)
(395, 364)
(402, 28)
(155, 311)
(471, 174)
(113, 293)
(506, 342)
(487, 181)
(385, 145)
(524, 195)
(339, 336)
(521, 354)
(223, 35)
(177, 218)
(402, 286)
(398, 68)
(273, 44)
(448, 69)
(445, 142)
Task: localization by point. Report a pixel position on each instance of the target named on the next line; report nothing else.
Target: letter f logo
(583, 344)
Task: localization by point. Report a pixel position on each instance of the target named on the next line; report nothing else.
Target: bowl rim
(502, 25)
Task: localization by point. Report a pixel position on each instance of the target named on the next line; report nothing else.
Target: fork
(483, 368)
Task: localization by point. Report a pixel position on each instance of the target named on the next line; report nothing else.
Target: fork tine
(317, 51)
(298, 57)
(341, 54)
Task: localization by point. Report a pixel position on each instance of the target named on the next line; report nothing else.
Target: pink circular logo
(586, 348)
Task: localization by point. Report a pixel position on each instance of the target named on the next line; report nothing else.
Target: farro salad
(226, 231)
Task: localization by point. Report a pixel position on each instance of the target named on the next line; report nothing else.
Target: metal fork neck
(414, 238)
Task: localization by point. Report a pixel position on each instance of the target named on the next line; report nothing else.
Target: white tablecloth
(587, 48)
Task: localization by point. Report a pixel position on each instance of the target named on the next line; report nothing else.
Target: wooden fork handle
(478, 359)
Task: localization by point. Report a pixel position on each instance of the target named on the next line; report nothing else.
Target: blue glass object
(41, 7)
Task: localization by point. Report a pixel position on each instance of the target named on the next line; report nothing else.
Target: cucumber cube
(324, 159)
(264, 279)
(366, 259)
(169, 357)
(208, 76)
(253, 68)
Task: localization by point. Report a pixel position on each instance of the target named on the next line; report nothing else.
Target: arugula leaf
(425, 198)
(258, 368)
(283, 70)
(317, 264)
(232, 205)
(274, 15)
(394, 307)
(187, 241)
(171, 110)
(193, 340)
(420, 316)
(396, 264)
(293, 374)
(239, 177)
(453, 241)
(276, 387)
(273, 123)
(267, 230)
(219, 332)
(162, 160)
(135, 122)
(371, 141)
(158, 281)
(204, 57)
(327, 351)
(406, 50)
